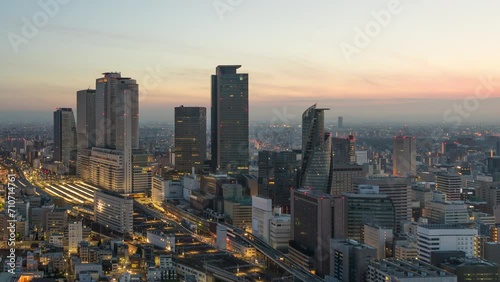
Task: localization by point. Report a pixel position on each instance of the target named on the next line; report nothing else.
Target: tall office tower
(109, 133)
(64, 135)
(317, 158)
(110, 106)
(277, 176)
(75, 235)
(340, 122)
(343, 176)
(399, 191)
(85, 121)
(350, 259)
(404, 158)
(229, 120)
(85, 130)
(190, 138)
(449, 185)
(354, 210)
(312, 214)
(344, 150)
(114, 211)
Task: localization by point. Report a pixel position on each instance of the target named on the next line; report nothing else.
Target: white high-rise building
(261, 215)
(114, 211)
(109, 120)
(75, 235)
(444, 237)
(280, 229)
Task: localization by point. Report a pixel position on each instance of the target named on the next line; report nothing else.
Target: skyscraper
(317, 158)
(190, 138)
(64, 135)
(229, 120)
(85, 119)
(404, 159)
(344, 150)
(340, 122)
(277, 176)
(111, 106)
(112, 113)
(85, 130)
(312, 218)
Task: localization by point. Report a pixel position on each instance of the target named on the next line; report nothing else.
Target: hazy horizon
(408, 111)
(421, 62)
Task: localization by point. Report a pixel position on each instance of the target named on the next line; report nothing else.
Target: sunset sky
(428, 57)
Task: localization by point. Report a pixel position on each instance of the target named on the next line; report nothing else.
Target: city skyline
(233, 140)
(410, 70)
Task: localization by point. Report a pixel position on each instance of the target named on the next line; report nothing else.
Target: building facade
(317, 157)
(229, 120)
(64, 135)
(190, 138)
(114, 211)
(404, 159)
(449, 185)
(277, 176)
(311, 230)
(399, 191)
(349, 260)
(444, 237)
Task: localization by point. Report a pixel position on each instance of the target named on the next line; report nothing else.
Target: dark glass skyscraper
(277, 176)
(317, 158)
(229, 120)
(64, 135)
(344, 150)
(190, 138)
(85, 122)
(312, 221)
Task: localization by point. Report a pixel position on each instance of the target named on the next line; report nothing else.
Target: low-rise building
(392, 270)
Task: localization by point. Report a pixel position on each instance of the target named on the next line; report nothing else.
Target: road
(276, 256)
